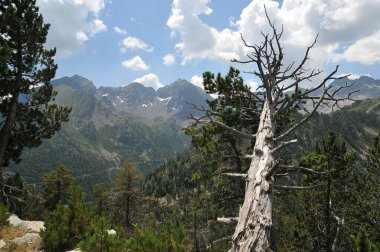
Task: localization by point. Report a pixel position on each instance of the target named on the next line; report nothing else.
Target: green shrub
(98, 239)
(169, 238)
(66, 226)
(4, 215)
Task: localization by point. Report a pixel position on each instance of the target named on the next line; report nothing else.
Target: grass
(8, 233)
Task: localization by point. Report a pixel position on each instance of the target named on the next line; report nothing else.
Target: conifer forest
(268, 139)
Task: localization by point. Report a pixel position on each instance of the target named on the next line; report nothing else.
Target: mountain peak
(77, 82)
(365, 78)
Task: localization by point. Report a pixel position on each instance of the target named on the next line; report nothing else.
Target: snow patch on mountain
(121, 100)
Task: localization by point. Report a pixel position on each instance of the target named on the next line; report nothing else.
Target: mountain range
(111, 125)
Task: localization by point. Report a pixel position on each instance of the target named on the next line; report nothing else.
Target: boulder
(2, 243)
(27, 238)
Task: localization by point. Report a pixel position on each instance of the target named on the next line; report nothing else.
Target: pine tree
(101, 195)
(26, 69)
(15, 194)
(56, 184)
(126, 195)
(281, 94)
(326, 205)
(67, 225)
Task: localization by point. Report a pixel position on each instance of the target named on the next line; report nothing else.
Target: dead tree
(279, 95)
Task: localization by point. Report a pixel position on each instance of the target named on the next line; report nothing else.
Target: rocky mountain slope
(109, 126)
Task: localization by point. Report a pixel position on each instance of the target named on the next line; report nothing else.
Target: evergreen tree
(281, 94)
(15, 194)
(56, 184)
(362, 243)
(101, 195)
(336, 163)
(369, 196)
(67, 225)
(26, 69)
(4, 215)
(126, 195)
(167, 237)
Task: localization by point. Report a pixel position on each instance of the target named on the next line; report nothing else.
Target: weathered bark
(252, 232)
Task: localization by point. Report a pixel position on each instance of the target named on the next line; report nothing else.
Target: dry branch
(234, 175)
(301, 187)
(300, 168)
(231, 220)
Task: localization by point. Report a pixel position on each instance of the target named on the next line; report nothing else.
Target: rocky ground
(21, 235)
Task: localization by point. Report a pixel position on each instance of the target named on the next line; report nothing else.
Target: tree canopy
(26, 68)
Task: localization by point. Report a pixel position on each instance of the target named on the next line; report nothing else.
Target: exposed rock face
(30, 226)
(14, 220)
(29, 235)
(33, 226)
(2, 243)
(27, 238)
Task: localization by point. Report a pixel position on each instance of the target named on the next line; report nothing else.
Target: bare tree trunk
(252, 232)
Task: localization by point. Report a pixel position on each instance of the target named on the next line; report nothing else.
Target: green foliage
(178, 194)
(4, 215)
(126, 195)
(15, 194)
(101, 195)
(56, 184)
(26, 71)
(372, 160)
(98, 239)
(67, 225)
(236, 106)
(362, 243)
(168, 238)
(306, 220)
(91, 161)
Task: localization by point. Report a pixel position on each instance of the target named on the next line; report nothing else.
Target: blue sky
(116, 43)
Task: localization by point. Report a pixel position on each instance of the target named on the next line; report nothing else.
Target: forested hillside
(109, 126)
(281, 153)
(191, 184)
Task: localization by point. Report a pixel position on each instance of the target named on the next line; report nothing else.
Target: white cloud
(72, 23)
(253, 85)
(347, 30)
(150, 80)
(120, 31)
(209, 43)
(81, 36)
(97, 26)
(168, 59)
(197, 81)
(134, 43)
(365, 51)
(93, 5)
(135, 64)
